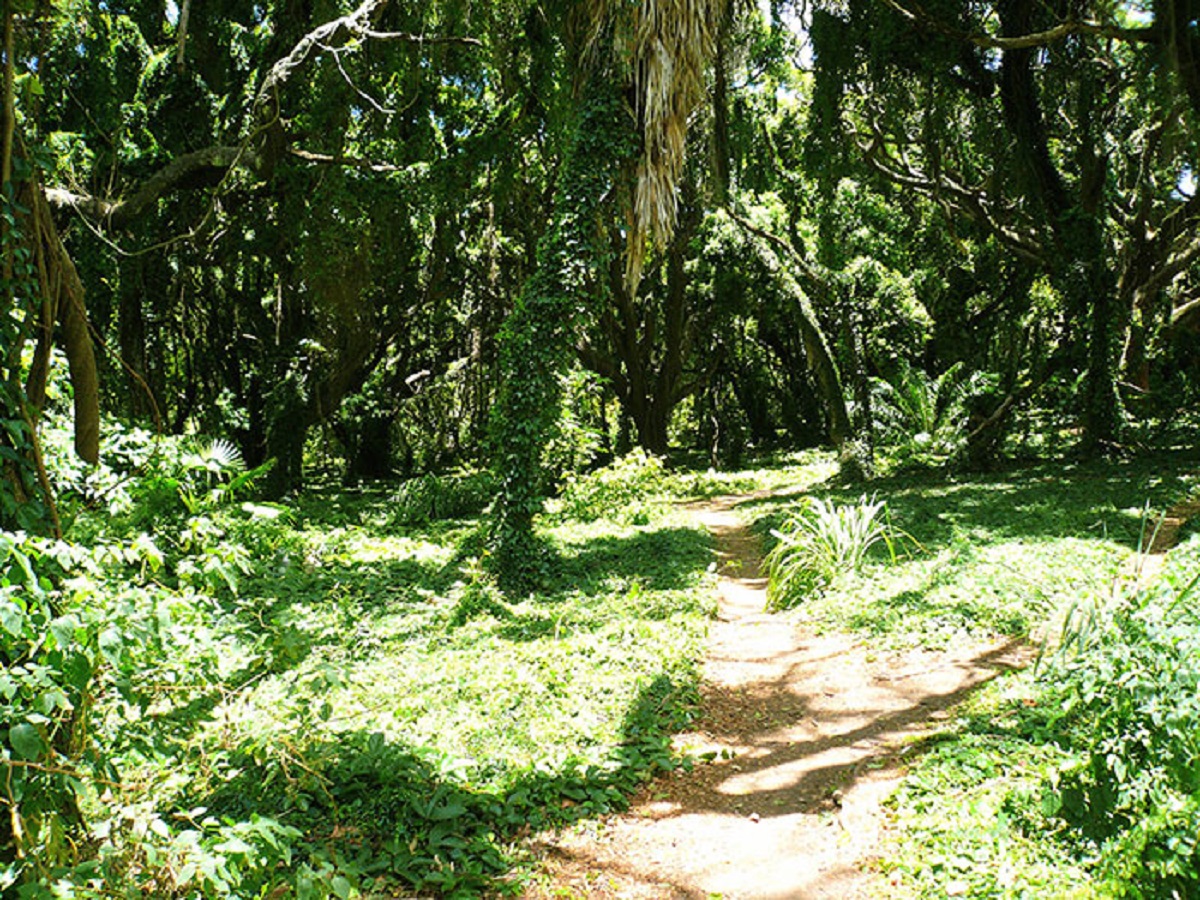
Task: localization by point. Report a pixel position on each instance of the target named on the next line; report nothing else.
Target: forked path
(809, 734)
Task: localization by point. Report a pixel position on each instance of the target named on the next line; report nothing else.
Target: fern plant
(926, 416)
(819, 543)
(215, 474)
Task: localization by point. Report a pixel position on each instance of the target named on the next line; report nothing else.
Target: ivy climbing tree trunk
(40, 290)
(536, 339)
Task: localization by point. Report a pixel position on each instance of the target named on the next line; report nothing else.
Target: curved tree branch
(250, 153)
(123, 212)
(952, 193)
(1187, 317)
(917, 16)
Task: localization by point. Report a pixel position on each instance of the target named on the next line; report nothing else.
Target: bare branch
(119, 213)
(1187, 317)
(1184, 252)
(423, 39)
(341, 160)
(950, 191)
(182, 31)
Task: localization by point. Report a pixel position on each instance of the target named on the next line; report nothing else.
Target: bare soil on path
(809, 734)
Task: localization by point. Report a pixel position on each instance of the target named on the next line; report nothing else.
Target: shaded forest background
(294, 230)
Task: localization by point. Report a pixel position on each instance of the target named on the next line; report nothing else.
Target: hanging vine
(41, 290)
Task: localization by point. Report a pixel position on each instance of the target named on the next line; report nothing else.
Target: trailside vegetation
(354, 357)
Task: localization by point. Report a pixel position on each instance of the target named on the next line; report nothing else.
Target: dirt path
(1148, 564)
(809, 733)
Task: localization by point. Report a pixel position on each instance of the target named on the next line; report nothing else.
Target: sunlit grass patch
(1072, 780)
(967, 819)
(791, 471)
(965, 591)
(389, 652)
(989, 555)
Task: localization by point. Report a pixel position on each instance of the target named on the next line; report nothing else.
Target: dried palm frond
(665, 45)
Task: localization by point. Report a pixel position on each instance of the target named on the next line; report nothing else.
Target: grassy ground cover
(1076, 778)
(408, 723)
(991, 554)
(329, 697)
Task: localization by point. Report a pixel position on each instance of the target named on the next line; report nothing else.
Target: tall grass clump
(820, 543)
(1127, 678)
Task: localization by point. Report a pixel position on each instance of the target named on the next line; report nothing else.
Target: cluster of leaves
(93, 645)
(49, 658)
(99, 642)
(1127, 678)
(967, 817)
(1078, 780)
(430, 497)
(621, 490)
(924, 419)
(181, 688)
(820, 543)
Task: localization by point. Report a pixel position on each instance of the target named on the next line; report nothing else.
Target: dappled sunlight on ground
(801, 739)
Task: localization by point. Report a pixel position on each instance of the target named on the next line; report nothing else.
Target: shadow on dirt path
(806, 735)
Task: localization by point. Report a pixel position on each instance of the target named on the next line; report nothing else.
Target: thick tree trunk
(368, 445)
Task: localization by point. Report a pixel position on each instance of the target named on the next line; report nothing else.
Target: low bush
(619, 490)
(1127, 679)
(429, 498)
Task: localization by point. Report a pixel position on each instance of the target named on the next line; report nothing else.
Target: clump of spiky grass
(822, 541)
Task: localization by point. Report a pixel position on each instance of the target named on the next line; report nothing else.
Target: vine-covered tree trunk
(535, 341)
(40, 290)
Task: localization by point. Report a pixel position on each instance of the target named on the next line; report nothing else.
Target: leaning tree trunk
(37, 265)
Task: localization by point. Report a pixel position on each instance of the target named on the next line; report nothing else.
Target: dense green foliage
(465, 257)
(236, 697)
(1128, 684)
(820, 543)
(1077, 777)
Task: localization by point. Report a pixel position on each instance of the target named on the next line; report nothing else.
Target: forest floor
(805, 735)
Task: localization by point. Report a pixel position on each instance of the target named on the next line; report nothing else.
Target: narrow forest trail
(809, 734)
(1148, 564)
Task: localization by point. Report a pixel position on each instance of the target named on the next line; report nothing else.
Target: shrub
(618, 490)
(1128, 680)
(925, 418)
(428, 498)
(820, 543)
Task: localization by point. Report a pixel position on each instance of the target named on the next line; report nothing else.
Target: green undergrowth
(1077, 778)
(1080, 776)
(988, 555)
(413, 725)
(633, 486)
(327, 697)
(968, 819)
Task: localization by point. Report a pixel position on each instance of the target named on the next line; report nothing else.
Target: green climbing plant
(534, 341)
(24, 505)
